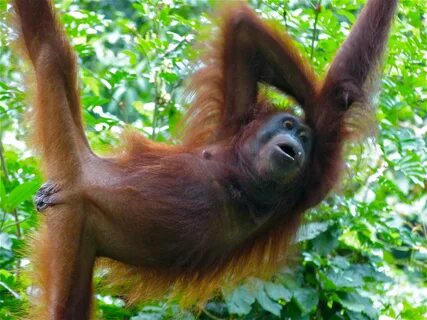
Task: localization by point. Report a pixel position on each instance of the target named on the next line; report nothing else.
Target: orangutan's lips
(287, 151)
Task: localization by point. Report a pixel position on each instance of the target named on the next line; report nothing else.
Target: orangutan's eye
(303, 136)
(288, 124)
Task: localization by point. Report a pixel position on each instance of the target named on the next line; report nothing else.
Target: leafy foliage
(362, 253)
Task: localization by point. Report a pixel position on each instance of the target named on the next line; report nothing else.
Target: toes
(41, 202)
(41, 206)
(44, 196)
(48, 188)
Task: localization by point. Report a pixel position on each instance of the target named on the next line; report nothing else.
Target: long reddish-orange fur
(111, 209)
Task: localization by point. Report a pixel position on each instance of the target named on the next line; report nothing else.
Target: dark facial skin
(281, 147)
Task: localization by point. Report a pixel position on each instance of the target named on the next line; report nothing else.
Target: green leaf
(267, 303)
(5, 241)
(92, 83)
(345, 279)
(327, 241)
(240, 300)
(169, 76)
(356, 315)
(3, 199)
(277, 291)
(8, 281)
(355, 302)
(133, 57)
(311, 230)
(413, 312)
(306, 299)
(21, 193)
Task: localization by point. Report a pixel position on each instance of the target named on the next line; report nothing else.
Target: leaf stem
(317, 10)
(14, 212)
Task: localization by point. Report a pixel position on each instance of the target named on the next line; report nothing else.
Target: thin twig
(168, 52)
(14, 212)
(3, 163)
(10, 109)
(210, 315)
(12, 224)
(317, 9)
(156, 105)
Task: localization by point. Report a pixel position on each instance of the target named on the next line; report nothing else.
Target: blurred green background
(362, 254)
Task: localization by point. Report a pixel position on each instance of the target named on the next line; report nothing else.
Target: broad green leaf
(277, 291)
(311, 230)
(264, 300)
(267, 303)
(93, 84)
(5, 241)
(355, 302)
(240, 300)
(22, 192)
(306, 299)
(3, 199)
